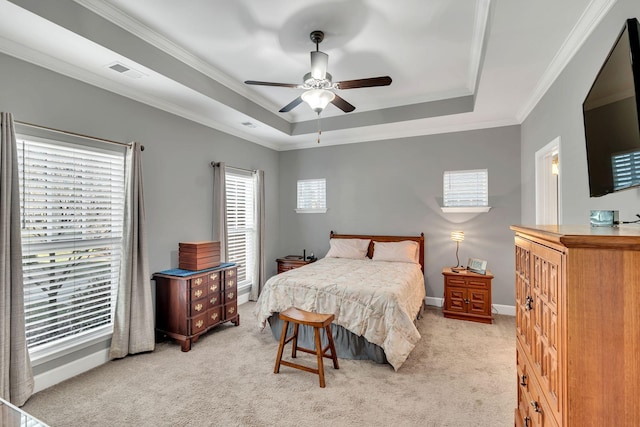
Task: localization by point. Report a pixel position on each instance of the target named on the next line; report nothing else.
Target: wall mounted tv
(611, 113)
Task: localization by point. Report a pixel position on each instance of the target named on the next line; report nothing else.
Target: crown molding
(138, 29)
(590, 18)
(480, 32)
(40, 59)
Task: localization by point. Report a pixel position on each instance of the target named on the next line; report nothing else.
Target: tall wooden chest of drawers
(577, 326)
(188, 306)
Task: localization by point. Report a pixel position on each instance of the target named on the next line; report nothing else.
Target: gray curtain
(16, 376)
(258, 255)
(133, 330)
(220, 208)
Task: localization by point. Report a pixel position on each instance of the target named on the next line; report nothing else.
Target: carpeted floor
(460, 374)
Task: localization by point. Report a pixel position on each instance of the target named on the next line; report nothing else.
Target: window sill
(322, 210)
(466, 209)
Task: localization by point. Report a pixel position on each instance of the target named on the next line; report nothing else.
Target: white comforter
(375, 299)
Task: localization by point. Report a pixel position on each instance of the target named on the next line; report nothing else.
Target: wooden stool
(315, 320)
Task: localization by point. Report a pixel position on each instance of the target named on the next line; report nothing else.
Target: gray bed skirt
(348, 344)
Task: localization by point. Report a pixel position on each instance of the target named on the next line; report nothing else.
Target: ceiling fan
(318, 85)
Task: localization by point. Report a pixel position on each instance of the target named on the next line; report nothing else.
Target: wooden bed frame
(375, 238)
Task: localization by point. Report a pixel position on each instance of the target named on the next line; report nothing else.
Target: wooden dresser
(188, 306)
(467, 295)
(577, 326)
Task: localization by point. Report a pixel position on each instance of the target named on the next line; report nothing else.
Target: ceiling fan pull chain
(319, 130)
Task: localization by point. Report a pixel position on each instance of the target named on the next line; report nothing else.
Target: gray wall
(559, 114)
(176, 161)
(395, 187)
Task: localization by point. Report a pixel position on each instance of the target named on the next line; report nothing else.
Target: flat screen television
(611, 113)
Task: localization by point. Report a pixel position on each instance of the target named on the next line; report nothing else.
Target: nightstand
(467, 295)
(290, 262)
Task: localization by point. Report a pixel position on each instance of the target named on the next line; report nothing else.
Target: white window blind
(466, 188)
(626, 170)
(312, 196)
(240, 223)
(72, 211)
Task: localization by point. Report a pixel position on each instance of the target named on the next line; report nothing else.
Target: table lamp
(457, 236)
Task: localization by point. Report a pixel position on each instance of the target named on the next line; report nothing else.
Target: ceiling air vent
(127, 71)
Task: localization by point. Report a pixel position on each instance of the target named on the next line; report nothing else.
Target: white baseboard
(243, 298)
(64, 372)
(507, 310)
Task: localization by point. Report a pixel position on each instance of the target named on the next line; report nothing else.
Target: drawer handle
(214, 316)
(232, 310)
(231, 273)
(198, 293)
(230, 284)
(198, 281)
(213, 300)
(213, 288)
(527, 421)
(198, 307)
(528, 304)
(199, 323)
(213, 276)
(523, 380)
(536, 406)
(230, 295)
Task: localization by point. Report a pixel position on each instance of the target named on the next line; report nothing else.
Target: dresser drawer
(198, 323)
(478, 283)
(230, 296)
(214, 316)
(198, 281)
(230, 310)
(198, 307)
(198, 292)
(214, 300)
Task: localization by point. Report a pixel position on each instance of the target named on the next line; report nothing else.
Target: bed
(375, 296)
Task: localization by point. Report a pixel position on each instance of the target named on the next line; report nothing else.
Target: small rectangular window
(312, 196)
(466, 188)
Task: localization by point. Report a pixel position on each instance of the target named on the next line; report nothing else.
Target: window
(466, 191)
(240, 223)
(72, 213)
(312, 196)
(626, 170)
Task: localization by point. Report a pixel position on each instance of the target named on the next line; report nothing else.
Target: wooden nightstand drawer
(290, 262)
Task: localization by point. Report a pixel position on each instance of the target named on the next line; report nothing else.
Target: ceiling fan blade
(370, 82)
(319, 63)
(253, 82)
(290, 106)
(342, 104)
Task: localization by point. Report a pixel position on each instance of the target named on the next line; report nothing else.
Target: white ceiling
(455, 65)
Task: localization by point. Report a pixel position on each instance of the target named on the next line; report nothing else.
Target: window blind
(240, 223)
(72, 212)
(466, 188)
(312, 195)
(626, 170)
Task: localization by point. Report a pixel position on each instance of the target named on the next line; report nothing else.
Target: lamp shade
(457, 236)
(318, 98)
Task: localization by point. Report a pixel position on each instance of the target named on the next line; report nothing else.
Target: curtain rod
(215, 164)
(66, 132)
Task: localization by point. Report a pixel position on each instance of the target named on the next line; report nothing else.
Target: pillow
(404, 251)
(348, 248)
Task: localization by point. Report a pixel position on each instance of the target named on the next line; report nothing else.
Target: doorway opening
(548, 188)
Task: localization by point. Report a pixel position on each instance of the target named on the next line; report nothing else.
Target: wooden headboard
(374, 238)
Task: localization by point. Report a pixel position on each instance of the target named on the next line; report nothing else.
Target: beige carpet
(460, 374)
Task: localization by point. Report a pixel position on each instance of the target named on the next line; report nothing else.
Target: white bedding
(375, 299)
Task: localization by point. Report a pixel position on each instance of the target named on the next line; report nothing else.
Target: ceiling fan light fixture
(318, 99)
